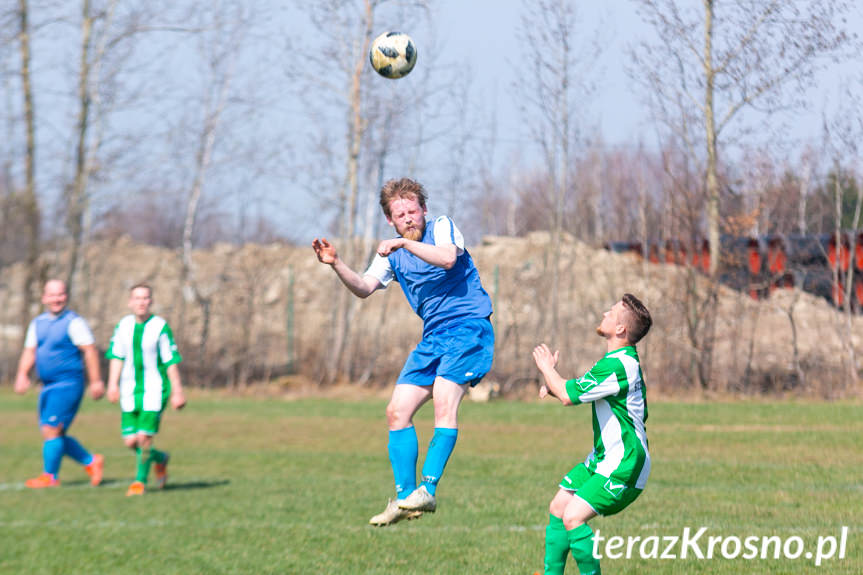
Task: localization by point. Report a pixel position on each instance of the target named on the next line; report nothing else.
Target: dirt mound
(271, 313)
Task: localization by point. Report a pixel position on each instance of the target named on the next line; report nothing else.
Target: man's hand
(543, 391)
(97, 389)
(113, 393)
(545, 360)
(387, 247)
(325, 251)
(178, 400)
(22, 383)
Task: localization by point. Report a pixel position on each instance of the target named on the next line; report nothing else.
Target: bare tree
(372, 133)
(553, 100)
(220, 39)
(843, 134)
(30, 200)
(708, 64)
(757, 55)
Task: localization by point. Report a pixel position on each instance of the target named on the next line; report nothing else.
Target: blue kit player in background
(443, 287)
(61, 346)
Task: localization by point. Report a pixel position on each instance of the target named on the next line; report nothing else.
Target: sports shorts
(59, 403)
(461, 352)
(140, 422)
(606, 496)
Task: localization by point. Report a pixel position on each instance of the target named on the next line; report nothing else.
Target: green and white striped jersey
(615, 387)
(147, 349)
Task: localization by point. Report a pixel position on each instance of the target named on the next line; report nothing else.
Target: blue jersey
(438, 295)
(58, 359)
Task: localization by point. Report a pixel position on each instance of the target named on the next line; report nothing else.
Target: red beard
(414, 234)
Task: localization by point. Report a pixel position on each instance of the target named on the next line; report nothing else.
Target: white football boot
(419, 500)
(393, 514)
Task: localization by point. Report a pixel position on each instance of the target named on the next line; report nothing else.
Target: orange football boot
(95, 469)
(161, 470)
(44, 480)
(137, 488)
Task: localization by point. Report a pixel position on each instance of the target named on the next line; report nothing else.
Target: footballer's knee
(397, 416)
(571, 521)
(52, 432)
(577, 512)
(558, 504)
(446, 414)
(131, 442)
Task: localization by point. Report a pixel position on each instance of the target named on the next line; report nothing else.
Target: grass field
(274, 486)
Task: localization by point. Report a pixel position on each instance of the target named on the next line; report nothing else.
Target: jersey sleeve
(79, 332)
(445, 233)
(381, 270)
(116, 349)
(601, 381)
(30, 339)
(168, 352)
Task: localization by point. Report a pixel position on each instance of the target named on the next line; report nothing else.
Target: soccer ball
(393, 55)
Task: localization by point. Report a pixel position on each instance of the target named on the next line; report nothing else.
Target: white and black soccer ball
(393, 55)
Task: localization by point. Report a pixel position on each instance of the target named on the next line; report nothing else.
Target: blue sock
(440, 448)
(76, 451)
(52, 453)
(403, 449)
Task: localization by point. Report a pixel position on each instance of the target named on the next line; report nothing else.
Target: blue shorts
(59, 402)
(461, 352)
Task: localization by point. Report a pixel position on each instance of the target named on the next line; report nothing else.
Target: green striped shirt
(147, 349)
(615, 388)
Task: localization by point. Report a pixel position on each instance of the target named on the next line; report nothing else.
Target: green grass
(274, 486)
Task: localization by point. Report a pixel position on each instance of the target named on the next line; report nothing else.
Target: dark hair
(637, 320)
(403, 188)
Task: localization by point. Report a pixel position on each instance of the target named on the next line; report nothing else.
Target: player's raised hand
(544, 358)
(325, 251)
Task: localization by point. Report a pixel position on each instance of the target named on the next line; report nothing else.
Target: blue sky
(476, 35)
(463, 25)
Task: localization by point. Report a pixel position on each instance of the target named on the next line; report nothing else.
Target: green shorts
(140, 422)
(606, 496)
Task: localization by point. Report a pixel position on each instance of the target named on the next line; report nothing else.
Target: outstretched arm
(555, 385)
(360, 286)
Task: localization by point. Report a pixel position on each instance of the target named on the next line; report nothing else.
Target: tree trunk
(76, 199)
(30, 203)
(346, 304)
(712, 177)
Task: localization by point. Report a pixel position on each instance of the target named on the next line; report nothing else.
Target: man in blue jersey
(59, 343)
(443, 287)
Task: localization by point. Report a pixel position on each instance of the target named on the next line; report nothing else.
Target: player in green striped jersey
(143, 376)
(615, 473)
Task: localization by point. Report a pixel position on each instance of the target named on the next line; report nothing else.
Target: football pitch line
(109, 484)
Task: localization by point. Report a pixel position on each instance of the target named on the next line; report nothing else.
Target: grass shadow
(196, 484)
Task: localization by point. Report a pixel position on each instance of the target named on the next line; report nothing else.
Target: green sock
(157, 456)
(581, 545)
(143, 458)
(556, 546)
